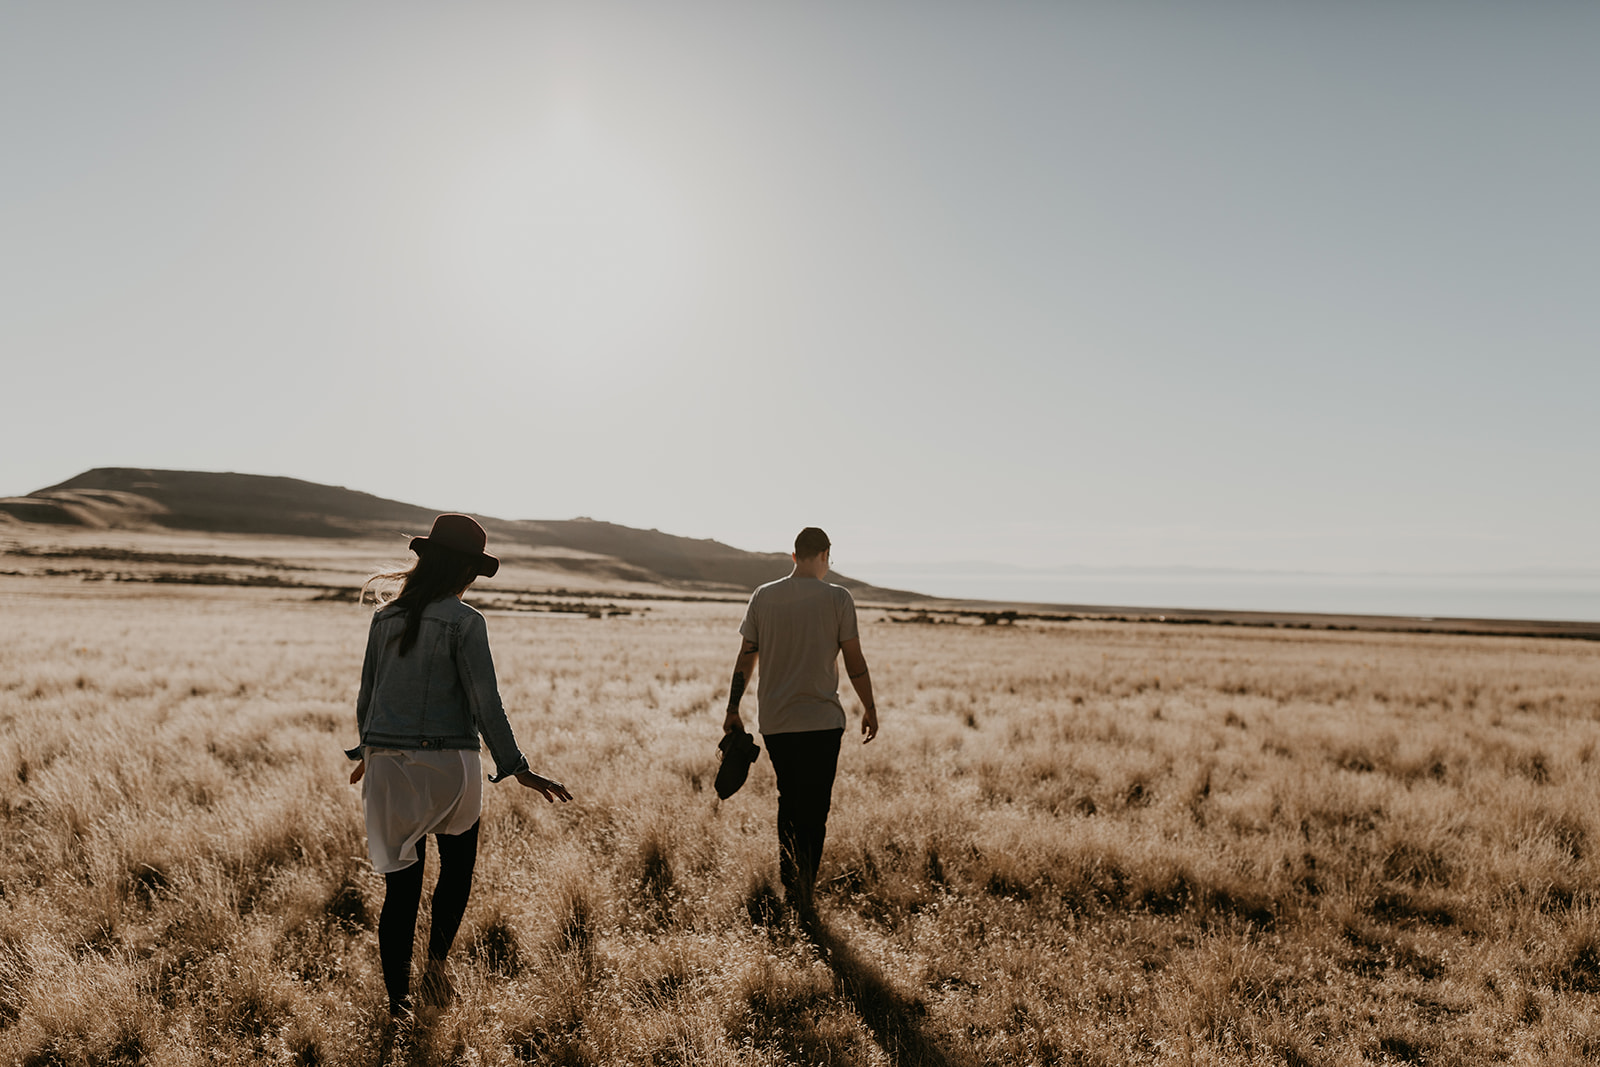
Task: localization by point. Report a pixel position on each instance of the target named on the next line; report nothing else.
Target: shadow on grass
(893, 1020)
(409, 1041)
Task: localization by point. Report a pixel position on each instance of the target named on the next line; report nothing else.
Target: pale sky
(1250, 284)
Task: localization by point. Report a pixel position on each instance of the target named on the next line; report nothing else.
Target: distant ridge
(213, 502)
(590, 552)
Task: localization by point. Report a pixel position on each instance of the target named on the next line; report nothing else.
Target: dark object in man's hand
(739, 750)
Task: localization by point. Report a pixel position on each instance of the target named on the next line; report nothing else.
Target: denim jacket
(441, 694)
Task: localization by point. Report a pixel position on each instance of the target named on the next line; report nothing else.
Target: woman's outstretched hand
(355, 775)
(552, 791)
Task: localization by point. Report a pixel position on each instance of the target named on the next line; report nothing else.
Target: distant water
(1566, 597)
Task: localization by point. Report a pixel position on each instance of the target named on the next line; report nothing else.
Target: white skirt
(408, 793)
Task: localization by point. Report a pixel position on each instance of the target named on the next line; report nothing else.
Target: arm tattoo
(862, 673)
(736, 692)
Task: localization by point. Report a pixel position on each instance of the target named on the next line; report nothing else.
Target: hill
(211, 502)
(147, 516)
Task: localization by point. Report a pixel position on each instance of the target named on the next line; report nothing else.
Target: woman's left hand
(551, 791)
(361, 769)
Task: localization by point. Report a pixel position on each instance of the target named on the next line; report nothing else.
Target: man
(798, 626)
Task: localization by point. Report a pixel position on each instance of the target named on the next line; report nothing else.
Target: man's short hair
(811, 543)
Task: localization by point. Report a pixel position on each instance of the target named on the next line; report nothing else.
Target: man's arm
(744, 668)
(855, 665)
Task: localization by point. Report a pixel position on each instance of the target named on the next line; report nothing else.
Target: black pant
(402, 893)
(805, 764)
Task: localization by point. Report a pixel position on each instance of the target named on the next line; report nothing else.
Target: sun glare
(568, 251)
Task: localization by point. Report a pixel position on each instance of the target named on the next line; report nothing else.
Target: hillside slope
(213, 502)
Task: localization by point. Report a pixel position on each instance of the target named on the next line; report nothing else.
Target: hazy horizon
(1530, 592)
(1552, 595)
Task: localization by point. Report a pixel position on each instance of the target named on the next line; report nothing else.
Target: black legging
(402, 894)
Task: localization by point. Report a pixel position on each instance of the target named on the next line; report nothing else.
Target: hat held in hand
(739, 750)
(460, 534)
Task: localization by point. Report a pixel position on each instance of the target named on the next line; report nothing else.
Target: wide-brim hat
(461, 534)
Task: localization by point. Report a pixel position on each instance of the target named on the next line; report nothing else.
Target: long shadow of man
(892, 1019)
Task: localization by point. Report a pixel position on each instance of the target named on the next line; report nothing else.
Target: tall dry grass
(1073, 844)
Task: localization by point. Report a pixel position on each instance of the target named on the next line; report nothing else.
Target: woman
(427, 693)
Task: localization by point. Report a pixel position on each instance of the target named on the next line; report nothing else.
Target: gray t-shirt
(797, 625)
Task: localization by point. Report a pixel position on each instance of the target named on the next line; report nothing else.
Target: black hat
(458, 533)
(739, 750)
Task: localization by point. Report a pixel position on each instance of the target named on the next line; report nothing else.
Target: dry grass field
(1084, 843)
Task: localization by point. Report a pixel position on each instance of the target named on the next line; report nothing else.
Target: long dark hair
(437, 573)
